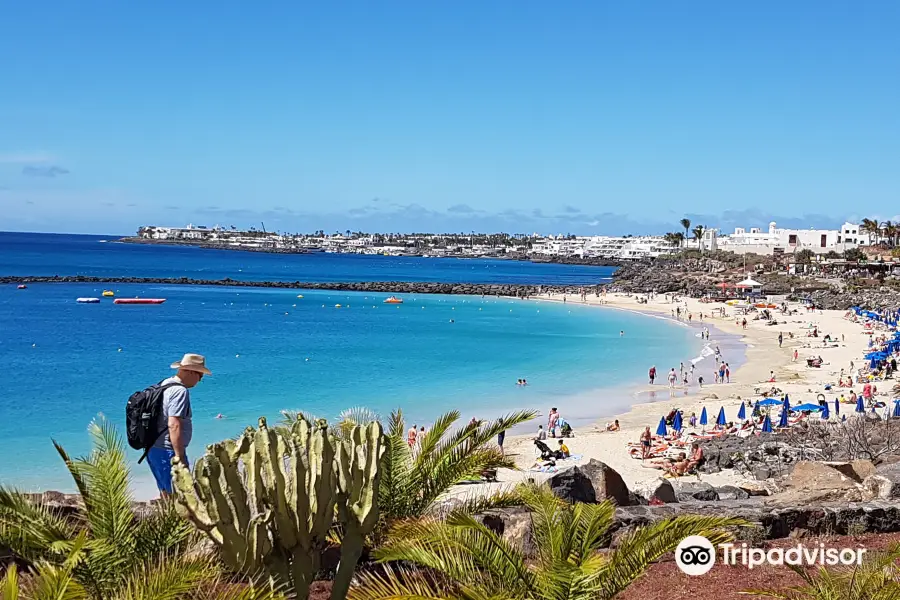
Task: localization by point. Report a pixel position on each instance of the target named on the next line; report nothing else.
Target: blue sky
(520, 116)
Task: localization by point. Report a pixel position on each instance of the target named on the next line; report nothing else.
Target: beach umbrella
(661, 430)
(837, 406)
(742, 412)
(703, 418)
(769, 402)
(897, 407)
(767, 425)
(787, 402)
(808, 406)
(825, 414)
(783, 420)
(676, 422)
(860, 407)
(720, 420)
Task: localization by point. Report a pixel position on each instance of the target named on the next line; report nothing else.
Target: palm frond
(394, 584)
(637, 549)
(399, 485)
(29, 528)
(9, 586)
(168, 578)
(474, 504)
(462, 549)
(52, 582)
(105, 474)
(433, 436)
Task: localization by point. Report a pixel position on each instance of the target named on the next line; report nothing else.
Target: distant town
(535, 247)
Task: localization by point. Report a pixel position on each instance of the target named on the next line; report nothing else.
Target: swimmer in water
(220, 416)
(621, 333)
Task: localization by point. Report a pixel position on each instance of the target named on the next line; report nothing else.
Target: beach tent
(807, 406)
(661, 430)
(837, 407)
(825, 415)
(750, 284)
(897, 407)
(720, 420)
(742, 412)
(860, 406)
(767, 425)
(703, 418)
(676, 422)
(769, 402)
(783, 419)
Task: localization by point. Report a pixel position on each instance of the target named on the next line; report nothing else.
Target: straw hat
(192, 362)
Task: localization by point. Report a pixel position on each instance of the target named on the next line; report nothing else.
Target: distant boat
(108, 293)
(22, 287)
(88, 300)
(139, 300)
(393, 300)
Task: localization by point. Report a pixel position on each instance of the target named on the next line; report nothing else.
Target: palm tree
(467, 560)
(698, 233)
(686, 223)
(108, 545)
(877, 579)
(871, 226)
(890, 232)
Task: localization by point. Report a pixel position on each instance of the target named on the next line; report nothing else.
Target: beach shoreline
(762, 355)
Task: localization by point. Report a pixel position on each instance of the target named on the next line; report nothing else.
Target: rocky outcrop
(592, 482)
(771, 521)
(386, 287)
(811, 482)
(690, 491)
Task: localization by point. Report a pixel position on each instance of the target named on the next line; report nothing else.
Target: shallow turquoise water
(269, 350)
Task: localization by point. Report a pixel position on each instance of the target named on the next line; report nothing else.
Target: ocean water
(270, 350)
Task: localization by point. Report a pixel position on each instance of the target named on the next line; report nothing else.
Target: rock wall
(387, 287)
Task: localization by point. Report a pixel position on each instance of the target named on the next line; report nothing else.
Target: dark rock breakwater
(387, 287)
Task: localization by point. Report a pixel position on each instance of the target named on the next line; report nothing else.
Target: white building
(773, 239)
(626, 248)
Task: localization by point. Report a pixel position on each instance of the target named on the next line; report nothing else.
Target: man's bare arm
(175, 438)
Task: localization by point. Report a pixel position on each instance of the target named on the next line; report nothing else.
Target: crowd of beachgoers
(798, 364)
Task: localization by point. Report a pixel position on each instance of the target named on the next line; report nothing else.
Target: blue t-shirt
(176, 403)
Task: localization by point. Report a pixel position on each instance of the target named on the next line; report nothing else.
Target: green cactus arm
(270, 449)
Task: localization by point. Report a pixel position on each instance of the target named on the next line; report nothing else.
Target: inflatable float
(393, 300)
(108, 293)
(139, 300)
(88, 300)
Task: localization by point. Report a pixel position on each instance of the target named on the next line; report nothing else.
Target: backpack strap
(162, 388)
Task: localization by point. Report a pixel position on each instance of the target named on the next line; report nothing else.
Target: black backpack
(142, 417)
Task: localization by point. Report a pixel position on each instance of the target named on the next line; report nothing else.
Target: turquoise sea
(270, 350)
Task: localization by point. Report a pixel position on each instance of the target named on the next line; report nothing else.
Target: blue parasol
(676, 422)
(742, 412)
(808, 406)
(837, 407)
(783, 419)
(720, 420)
(767, 425)
(769, 402)
(897, 407)
(787, 403)
(703, 418)
(661, 430)
(860, 406)
(825, 415)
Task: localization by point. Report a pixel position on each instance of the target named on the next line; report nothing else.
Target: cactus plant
(269, 499)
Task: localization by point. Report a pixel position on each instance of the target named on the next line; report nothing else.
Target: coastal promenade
(762, 356)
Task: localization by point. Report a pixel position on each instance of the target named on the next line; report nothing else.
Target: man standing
(175, 420)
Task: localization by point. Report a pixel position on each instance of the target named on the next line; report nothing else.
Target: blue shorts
(160, 461)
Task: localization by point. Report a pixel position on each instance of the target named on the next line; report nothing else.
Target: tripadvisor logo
(696, 555)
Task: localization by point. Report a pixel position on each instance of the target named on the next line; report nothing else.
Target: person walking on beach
(796, 354)
(652, 374)
(646, 436)
(501, 437)
(552, 421)
(727, 373)
(780, 339)
(672, 378)
(411, 436)
(175, 424)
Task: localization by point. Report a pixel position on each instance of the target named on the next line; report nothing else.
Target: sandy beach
(762, 357)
